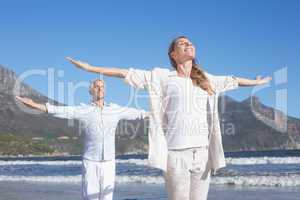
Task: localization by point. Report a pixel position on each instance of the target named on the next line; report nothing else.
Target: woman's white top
(185, 120)
(154, 81)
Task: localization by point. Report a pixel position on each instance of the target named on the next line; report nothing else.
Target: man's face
(97, 89)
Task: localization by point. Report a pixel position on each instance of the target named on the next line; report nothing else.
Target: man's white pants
(98, 179)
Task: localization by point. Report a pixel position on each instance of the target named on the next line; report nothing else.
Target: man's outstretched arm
(132, 113)
(64, 112)
(30, 103)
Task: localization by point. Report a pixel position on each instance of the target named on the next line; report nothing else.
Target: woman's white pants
(187, 176)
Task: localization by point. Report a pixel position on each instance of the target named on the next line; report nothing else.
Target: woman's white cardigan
(153, 81)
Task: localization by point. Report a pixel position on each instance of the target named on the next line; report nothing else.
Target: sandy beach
(136, 191)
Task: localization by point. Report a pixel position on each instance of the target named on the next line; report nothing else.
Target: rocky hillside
(23, 125)
(256, 126)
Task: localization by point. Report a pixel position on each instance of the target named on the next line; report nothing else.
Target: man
(99, 121)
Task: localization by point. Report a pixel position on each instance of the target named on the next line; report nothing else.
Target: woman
(184, 135)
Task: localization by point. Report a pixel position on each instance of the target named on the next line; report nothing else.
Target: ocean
(248, 175)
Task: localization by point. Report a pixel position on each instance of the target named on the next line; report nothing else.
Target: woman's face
(184, 50)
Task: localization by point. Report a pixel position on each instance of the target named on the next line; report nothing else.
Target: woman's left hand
(261, 81)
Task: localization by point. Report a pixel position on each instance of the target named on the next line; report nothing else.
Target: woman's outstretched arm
(253, 82)
(230, 82)
(107, 71)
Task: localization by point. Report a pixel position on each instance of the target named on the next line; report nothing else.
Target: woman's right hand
(107, 71)
(79, 64)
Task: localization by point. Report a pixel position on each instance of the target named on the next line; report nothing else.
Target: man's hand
(26, 101)
(79, 64)
(30, 103)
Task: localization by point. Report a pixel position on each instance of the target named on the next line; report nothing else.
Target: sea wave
(229, 160)
(263, 160)
(19, 162)
(275, 181)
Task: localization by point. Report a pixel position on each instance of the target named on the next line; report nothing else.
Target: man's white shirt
(99, 126)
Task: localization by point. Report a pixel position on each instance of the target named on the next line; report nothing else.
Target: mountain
(25, 126)
(246, 125)
(256, 126)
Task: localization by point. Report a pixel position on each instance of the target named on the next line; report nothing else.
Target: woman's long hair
(197, 74)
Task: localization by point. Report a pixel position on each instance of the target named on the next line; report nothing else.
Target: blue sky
(241, 37)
